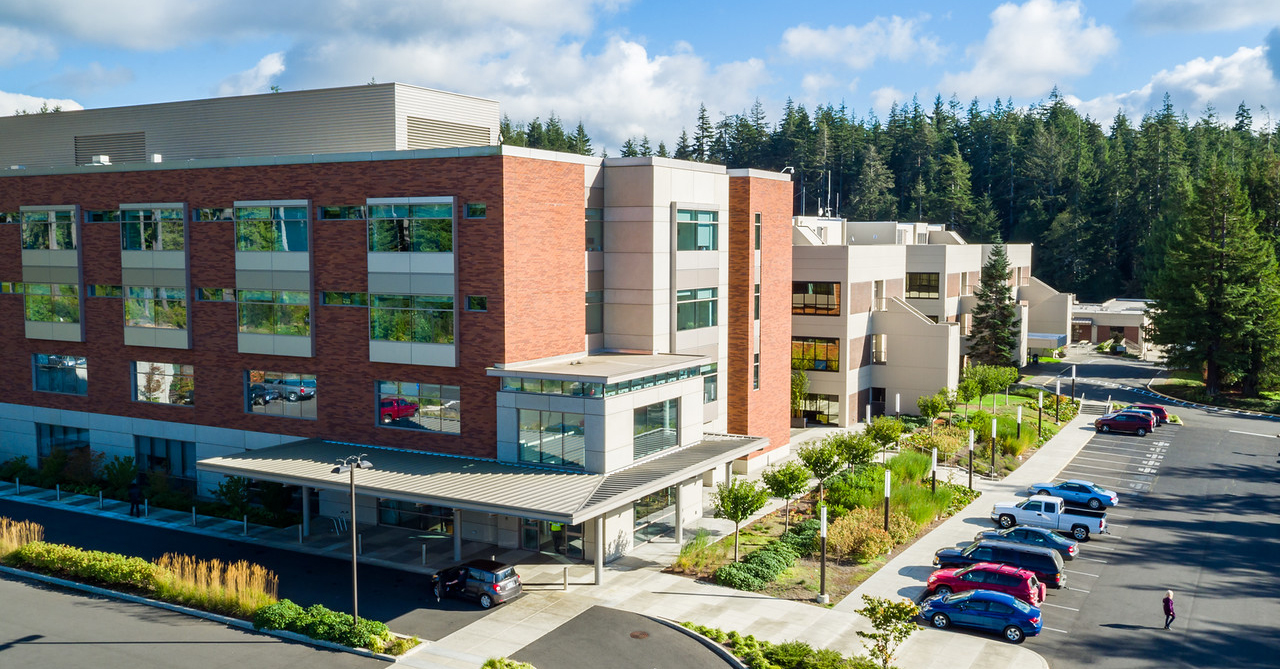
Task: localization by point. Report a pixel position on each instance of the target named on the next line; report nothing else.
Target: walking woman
(1168, 609)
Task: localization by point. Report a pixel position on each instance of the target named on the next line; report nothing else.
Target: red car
(395, 408)
(1161, 414)
(1123, 422)
(1010, 580)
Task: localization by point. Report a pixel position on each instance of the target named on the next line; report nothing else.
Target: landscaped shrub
(771, 560)
(860, 487)
(323, 624)
(117, 475)
(236, 589)
(901, 527)
(89, 566)
(761, 654)
(910, 466)
(858, 536)
(739, 576)
(16, 467)
(17, 533)
(698, 555)
(802, 537)
(505, 663)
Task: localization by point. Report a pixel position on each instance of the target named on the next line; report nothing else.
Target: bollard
(566, 579)
(146, 510)
(17, 480)
(57, 487)
(99, 499)
(299, 533)
(245, 533)
(360, 543)
(424, 554)
(193, 516)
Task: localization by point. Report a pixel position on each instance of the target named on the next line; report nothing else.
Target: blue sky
(634, 67)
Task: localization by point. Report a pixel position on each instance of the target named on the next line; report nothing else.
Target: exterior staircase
(1093, 408)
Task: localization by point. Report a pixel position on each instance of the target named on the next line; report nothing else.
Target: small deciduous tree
(856, 448)
(799, 392)
(892, 621)
(736, 501)
(786, 481)
(884, 430)
(931, 406)
(822, 459)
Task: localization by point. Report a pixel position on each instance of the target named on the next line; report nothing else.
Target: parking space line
(1116, 525)
(1152, 449)
(1254, 434)
(1101, 548)
(1111, 469)
(1094, 560)
(1117, 515)
(1082, 573)
(1077, 590)
(1058, 606)
(1117, 478)
(1054, 629)
(1118, 462)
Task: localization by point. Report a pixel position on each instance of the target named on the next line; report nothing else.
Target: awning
(477, 484)
(1046, 340)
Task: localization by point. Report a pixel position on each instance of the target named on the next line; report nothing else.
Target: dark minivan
(1045, 562)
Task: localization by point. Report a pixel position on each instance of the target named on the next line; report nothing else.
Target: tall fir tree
(994, 337)
(581, 143)
(684, 150)
(703, 135)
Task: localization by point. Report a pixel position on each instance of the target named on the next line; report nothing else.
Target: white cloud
(256, 79)
(1031, 48)
(1204, 15)
(814, 83)
(21, 46)
(859, 47)
(1223, 81)
(15, 102)
(883, 98)
(93, 78)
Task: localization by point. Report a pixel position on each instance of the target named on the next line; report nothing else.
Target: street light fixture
(351, 464)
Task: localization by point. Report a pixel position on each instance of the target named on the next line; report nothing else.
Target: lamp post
(897, 404)
(1073, 383)
(993, 449)
(1057, 400)
(1040, 415)
(933, 469)
(887, 477)
(970, 459)
(822, 588)
(351, 464)
(1019, 421)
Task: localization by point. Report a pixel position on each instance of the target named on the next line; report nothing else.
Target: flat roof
(603, 367)
(479, 484)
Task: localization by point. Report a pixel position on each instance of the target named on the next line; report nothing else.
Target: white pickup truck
(1050, 513)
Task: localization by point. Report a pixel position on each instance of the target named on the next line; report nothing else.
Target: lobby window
(922, 285)
(155, 308)
(817, 353)
(168, 457)
(152, 230)
(341, 213)
(878, 345)
(553, 438)
(595, 311)
(756, 304)
(50, 438)
(51, 302)
(815, 298)
(67, 374)
(411, 228)
(595, 229)
(696, 308)
(425, 319)
(284, 394)
(164, 383)
(48, 230)
(697, 230)
(271, 229)
(274, 312)
(655, 515)
(755, 372)
(824, 409)
(759, 231)
(657, 428)
(475, 210)
(710, 383)
(420, 406)
(477, 303)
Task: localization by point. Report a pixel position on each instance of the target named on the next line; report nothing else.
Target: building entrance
(548, 537)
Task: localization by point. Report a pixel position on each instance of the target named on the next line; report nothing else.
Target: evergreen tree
(644, 148)
(580, 143)
(684, 150)
(872, 197)
(662, 150)
(703, 135)
(1216, 301)
(629, 149)
(994, 336)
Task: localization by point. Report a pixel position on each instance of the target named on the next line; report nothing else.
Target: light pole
(971, 459)
(887, 477)
(1019, 421)
(933, 469)
(350, 464)
(1057, 399)
(1040, 416)
(897, 404)
(1073, 383)
(822, 588)
(993, 449)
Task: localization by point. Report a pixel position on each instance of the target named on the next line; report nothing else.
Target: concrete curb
(213, 617)
(1206, 407)
(710, 644)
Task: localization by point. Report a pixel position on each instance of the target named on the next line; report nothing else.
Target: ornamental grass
(17, 533)
(235, 589)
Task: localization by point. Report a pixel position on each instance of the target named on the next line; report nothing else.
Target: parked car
(1076, 491)
(984, 609)
(1161, 413)
(1123, 422)
(260, 395)
(1155, 422)
(485, 581)
(1034, 536)
(1046, 564)
(394, 408)
(1050, 512)
(1010, 580)
(293, 389)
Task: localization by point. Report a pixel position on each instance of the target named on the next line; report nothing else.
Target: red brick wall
(765, 412)
(860, 296)
(345, 377)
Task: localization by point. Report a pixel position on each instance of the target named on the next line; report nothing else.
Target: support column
(728, 472)
(457, 535)
(679, 516)
(306, 511)
(599, 549)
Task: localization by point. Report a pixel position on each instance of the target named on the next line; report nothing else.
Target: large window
(655, 515)
(60, 374)
(280, 394)
(164, 383)
(515, 384)
(815, 298)
(271, 228)
(420, 406)
(710, 383)
(553, 438)
(274, 312)
(756, 305)
(595, 229)
(879, 343)
(697, 230)
(759, 228)
(657, 428)
(816, 353)
(696, 308)
(755, 372)
(411, 228)
(824, 409)
(413, 318)
(156, 308)
(922, 285)
(171, 458)
(152, 230)
(51, 302)
(595, 311)
(48, 230)
(50, 438)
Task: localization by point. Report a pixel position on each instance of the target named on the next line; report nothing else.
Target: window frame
(809, 349)
(183, 376)
(697, 308)
(922, 286)
(57, 383)
(806, 301)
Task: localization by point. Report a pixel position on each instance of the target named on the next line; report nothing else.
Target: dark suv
(485, 581)
(1044, 562)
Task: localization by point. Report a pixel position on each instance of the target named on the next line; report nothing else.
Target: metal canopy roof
(481, 485)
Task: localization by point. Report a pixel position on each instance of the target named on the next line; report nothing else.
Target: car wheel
(1106, 428)
(1007, 521)
(942, 590)
(1095, 503)
(1014, 634)
(1142, 432)
(1080, 532)
(940, 621)
(1042, 491)
(486, 601)
(293, 396)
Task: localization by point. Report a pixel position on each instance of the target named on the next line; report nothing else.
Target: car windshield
(958, 596)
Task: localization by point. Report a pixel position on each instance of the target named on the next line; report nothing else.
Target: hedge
(323, 624)
(89, 566)
(761, 654)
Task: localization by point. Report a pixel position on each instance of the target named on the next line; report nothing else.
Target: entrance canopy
(477, 484)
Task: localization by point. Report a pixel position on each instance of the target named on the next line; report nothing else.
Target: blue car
(1075, 491)
(984, 609)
